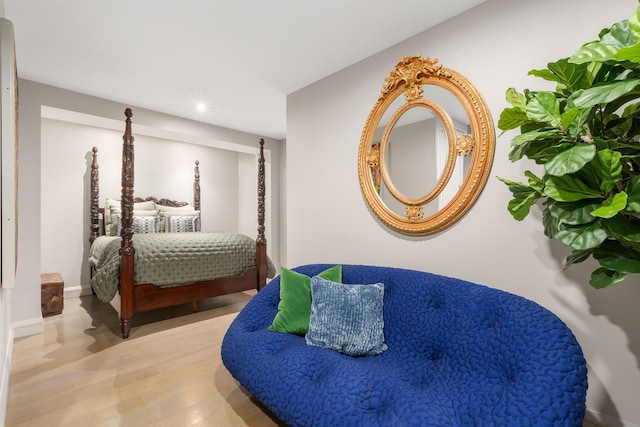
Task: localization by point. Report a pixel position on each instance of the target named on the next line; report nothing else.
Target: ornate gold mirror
(426, 148)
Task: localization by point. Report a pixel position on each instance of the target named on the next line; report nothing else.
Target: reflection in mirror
(411, 156)
(417, 151)
(426, 149)
(409, 149)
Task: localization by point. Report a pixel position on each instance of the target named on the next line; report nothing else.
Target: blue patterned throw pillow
(347, 318)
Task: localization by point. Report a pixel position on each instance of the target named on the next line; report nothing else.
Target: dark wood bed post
(196, 192)
(126, 249)
(261, 241)
(95, 198)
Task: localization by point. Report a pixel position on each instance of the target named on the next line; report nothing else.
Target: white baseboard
(24, 328)
(4, 378)
(76, 291)
(603, 420)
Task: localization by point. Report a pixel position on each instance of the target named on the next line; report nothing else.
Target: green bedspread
(172, 259)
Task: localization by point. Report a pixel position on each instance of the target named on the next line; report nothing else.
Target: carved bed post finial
(126, 248)
(261, 241)
(196, 192)
(95, 198)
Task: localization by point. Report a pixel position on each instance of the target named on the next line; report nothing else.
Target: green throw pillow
(294, 309)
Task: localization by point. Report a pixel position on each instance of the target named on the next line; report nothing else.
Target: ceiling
(240, 58)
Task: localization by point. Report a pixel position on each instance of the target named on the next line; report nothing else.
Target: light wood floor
(80, 372)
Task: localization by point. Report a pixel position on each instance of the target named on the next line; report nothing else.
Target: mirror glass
(426, 135)
(411, 151)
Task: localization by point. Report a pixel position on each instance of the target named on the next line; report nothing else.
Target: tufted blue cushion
(459, 354)
(346, 318)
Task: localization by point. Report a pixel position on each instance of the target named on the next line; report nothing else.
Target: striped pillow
(181, 224)
(141, 224)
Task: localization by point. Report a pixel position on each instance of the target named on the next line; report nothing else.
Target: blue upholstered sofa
(458, 354)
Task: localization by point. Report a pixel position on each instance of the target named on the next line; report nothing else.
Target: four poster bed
(158, 257)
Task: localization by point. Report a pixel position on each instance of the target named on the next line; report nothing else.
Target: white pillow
(112, 206)
(116, 214)
(181, 223)
(163, 208)
(165, 211)
(141, 224)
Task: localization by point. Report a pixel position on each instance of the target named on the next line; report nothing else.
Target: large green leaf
(631, 53)
(533, 135)
(523, 198)
(614, 256)
(594, 51)
(568, 117)
(534, 181)
(619, 36)
(623, 226)
(629, 244)
(603, 278)
(577, 257)
(573, 120)
(519, 207)
(573, 75)
(570, 75)
(546, 74)
(567, 188)
(634, 23)
(630, 115)
(611, 206)
(512, 118)
(576, 213)
(583, 237)
(633, 192)
(543, 151)
(615, 126)
(520, 142)
(533, 126)
(551, 224)
(608, 168)
(544, 107)
(586, 98)
(518, 152)
(517, 99)
(623, 101)
(631, 111)
(571, 160)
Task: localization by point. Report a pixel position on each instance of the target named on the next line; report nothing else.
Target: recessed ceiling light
(201, 107)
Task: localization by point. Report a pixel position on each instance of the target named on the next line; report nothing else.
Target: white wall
(26, 317)
(494, 46)
(6, 346)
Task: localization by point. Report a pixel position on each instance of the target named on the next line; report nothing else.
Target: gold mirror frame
(408, 77)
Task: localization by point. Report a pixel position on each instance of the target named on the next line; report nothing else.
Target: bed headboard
(97, 220)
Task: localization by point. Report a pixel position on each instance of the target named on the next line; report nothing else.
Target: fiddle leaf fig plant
(586, 135)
